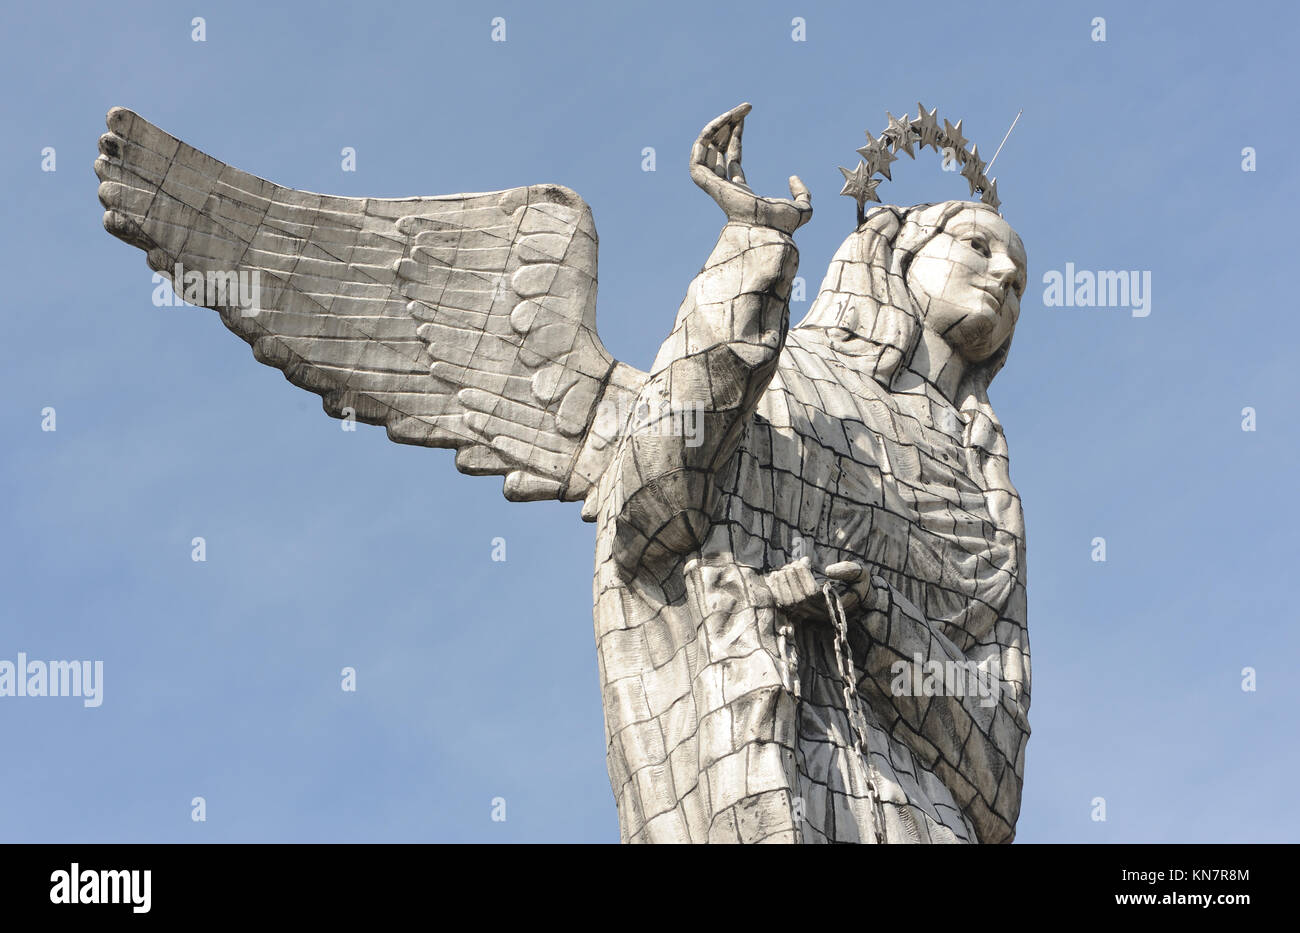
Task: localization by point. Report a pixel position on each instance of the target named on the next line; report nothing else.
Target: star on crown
(902, 134)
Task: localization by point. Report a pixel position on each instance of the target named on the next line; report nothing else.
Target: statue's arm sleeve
(972, 737)
(701, 393)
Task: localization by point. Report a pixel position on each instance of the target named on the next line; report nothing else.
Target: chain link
(789, 652)
(853, 703)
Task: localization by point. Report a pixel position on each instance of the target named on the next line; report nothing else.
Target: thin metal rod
(1004, 141)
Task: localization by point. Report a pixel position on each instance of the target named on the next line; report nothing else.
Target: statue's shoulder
(806, 358)
(817, 371)
(801, 418)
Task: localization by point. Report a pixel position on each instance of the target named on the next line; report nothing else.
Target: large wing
(464, 321)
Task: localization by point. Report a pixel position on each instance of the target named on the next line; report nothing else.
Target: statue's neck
(935, 361)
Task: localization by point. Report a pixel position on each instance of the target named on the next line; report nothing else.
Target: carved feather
(464, 321)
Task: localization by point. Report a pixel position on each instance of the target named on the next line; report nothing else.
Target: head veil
(868, 312)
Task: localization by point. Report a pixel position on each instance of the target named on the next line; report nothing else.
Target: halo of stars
(903, 133)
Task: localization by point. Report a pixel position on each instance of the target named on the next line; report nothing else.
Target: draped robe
(726, 717)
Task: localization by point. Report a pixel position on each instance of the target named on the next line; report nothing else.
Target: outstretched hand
(715, 167)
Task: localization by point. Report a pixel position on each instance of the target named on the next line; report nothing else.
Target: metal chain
(786, 647)
(853, 703)
(789, 652)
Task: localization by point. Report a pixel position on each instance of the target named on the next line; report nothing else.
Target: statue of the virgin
(809, 608)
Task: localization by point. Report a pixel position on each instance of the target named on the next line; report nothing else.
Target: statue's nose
(1003, 271)
(1002, 267)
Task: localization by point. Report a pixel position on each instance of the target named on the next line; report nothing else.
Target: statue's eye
(980, 245)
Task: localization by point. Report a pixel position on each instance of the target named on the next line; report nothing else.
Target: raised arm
(714, 366)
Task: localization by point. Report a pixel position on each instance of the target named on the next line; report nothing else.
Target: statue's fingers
(733, 170)
(808, 587)
(707, 155)
(705, 145)
(722, 137)
(699, 151)
(776, 582)
(734, 144)
(718, 162)
(724, 119)
(846, 571)
(802, 196)
(711, 129)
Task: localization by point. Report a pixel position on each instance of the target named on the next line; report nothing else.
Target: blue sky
(477, 679)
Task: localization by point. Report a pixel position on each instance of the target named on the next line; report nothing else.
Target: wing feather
(463, 321)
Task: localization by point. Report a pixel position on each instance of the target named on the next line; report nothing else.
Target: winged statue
(810, 610)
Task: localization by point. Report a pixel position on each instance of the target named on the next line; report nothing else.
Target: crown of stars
(903, 133)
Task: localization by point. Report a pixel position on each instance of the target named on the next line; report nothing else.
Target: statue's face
(968, 280)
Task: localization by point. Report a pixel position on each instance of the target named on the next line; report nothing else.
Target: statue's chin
(979, 336)
(977, 349)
